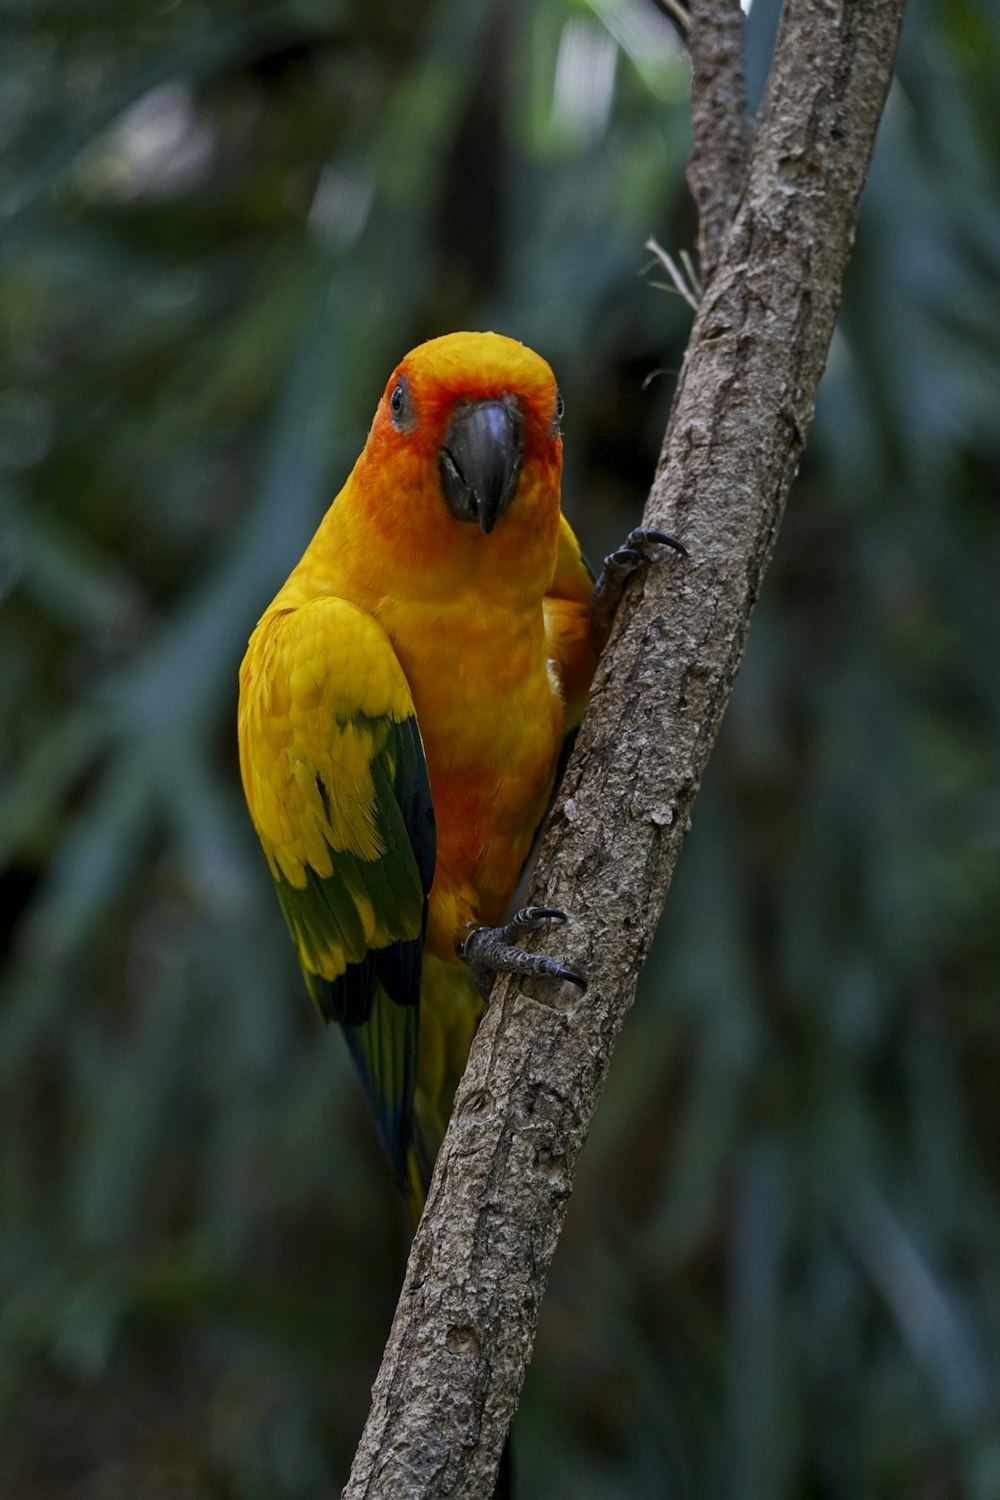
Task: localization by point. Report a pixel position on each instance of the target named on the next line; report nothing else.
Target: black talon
(647, 534)
(560, 971)
(531, 917)
(619, 567)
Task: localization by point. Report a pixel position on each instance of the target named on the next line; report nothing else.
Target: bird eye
(401, 405)
(560, 407)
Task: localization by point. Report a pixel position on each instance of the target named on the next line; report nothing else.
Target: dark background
(220, 226)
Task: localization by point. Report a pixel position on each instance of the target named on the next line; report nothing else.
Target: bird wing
(336, 781)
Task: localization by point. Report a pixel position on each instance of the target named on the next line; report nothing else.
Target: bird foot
(490, 951)
(634, 556)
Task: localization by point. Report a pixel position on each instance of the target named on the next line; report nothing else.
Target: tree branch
(720, 130)
(465, 1323)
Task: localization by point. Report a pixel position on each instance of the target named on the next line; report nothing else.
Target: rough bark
(720, 127)
(464, 1327)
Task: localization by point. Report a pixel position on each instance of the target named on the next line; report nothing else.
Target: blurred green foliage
(220, 226)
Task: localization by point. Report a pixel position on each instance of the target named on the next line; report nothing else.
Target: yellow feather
(401, 612)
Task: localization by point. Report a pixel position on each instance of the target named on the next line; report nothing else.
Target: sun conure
(403, 704)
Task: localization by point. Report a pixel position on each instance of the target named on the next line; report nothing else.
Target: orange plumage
(404, 701)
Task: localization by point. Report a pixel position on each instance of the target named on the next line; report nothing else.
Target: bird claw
(635, 554)
(490, 951)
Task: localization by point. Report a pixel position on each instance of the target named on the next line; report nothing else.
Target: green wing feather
(376, 998)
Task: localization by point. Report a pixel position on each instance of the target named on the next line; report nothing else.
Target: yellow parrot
(404, 702)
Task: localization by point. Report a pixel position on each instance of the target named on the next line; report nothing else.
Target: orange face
(465, 451)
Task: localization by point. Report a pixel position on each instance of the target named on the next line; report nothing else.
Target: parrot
(404, 703)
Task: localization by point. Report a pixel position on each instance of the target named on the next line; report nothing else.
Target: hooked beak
(480, 460)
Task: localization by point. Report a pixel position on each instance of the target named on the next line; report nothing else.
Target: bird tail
(418, 1179)
(384, 1049)
(450, 1008)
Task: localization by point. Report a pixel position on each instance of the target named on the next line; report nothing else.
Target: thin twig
(684, 282)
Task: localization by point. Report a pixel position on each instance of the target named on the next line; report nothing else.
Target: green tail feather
(384, 1049)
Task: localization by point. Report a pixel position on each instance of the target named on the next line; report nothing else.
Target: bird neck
(367, 551)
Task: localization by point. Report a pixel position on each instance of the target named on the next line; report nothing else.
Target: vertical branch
(721, 134)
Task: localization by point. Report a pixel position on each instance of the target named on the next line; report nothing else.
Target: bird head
(469, 423)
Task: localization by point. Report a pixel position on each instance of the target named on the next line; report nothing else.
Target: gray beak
(480, 460)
